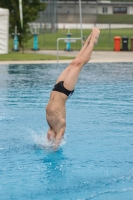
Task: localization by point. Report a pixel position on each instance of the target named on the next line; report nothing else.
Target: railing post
(57, 48)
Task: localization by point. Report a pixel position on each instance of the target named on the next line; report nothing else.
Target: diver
(64, 88)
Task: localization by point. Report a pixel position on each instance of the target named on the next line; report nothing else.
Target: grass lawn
(48, 42)
(106, 40)
(16, 56)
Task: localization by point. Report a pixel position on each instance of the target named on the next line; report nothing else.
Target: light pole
(80, 13)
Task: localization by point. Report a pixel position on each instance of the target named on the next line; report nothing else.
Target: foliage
(31, 9)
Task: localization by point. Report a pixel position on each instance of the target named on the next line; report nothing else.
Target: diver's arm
(58, 138)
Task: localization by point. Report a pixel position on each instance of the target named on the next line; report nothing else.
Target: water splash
(41, 141)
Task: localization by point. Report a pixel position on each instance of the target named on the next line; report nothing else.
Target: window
(105, 9)
(119, 10)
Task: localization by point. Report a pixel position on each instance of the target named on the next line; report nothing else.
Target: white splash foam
(41, 141)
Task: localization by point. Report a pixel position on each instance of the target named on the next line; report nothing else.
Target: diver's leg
(77, 64)
(63, 75)
(84, 47)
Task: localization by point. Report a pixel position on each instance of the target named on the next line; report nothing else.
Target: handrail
(65, 40)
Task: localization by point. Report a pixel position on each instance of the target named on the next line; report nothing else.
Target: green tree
(31, 9)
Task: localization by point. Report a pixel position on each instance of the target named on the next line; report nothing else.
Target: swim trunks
(60, 88)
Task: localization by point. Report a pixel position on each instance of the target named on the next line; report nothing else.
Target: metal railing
(65, 40)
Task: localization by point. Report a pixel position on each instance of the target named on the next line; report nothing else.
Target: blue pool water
(95, 160)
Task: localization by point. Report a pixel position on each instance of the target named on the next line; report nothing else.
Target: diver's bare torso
(56, 111)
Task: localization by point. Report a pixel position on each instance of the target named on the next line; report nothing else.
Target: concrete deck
(97, 56)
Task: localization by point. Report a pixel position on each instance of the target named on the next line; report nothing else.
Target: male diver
(64, 87)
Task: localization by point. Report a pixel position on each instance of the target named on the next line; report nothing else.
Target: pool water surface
(95, 159)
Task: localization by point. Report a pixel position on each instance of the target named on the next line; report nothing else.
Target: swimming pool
(95, 160)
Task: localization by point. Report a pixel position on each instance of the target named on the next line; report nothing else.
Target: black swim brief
(59, 87)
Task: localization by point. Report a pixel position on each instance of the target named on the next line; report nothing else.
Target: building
(93, 11)
(68, 11)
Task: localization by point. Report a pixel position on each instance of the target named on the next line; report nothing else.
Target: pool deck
(97, 56)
